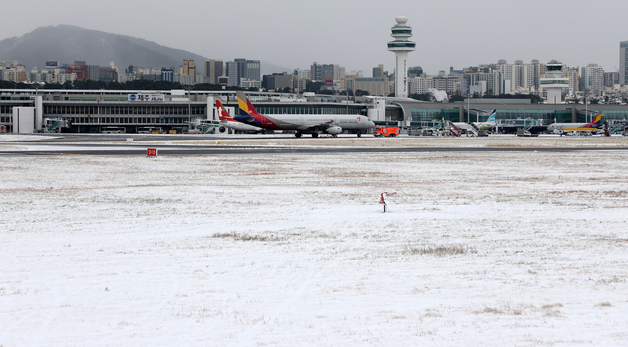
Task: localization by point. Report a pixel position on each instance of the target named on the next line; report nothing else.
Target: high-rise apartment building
(611, 78)
(319, 72)
(623, 62)
(592, 79)
(213, 70)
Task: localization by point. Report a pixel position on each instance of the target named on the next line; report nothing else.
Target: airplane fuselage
(308, 123)
(239, 126)
(569, 127)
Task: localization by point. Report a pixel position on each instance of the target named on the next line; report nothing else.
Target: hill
(66, 44)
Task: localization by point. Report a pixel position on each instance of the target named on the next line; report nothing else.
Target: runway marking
(55, 153)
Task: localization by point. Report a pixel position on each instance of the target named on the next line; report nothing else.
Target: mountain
(66, 44)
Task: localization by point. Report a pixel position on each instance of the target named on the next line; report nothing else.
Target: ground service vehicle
(149, 130)
(385, 131)
(113, 130)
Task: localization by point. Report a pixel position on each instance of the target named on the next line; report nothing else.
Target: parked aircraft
(561, 127)
(489, 124)
(227, 121)
(314, 124)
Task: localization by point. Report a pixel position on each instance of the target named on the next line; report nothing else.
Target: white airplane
(314, 124)
(489, 124)
(561, 127)
(227, 121)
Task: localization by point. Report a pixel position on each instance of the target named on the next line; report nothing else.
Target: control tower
(401, 46)
(554, 82)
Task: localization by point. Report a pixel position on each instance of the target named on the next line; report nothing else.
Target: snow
(296, 250)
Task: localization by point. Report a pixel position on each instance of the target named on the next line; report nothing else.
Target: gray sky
(352, 33)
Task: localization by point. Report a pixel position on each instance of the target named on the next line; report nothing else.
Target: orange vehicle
(385, 131)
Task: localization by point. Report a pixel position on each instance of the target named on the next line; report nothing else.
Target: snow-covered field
(515, 248)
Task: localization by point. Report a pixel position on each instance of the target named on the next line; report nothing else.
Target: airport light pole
(189, 108)
(586, 106)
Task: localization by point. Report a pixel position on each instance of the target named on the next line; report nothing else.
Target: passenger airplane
(489, 124)
(302, 123)
(560, 127)
(227, 121)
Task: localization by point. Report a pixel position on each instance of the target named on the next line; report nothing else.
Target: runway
(193, 145)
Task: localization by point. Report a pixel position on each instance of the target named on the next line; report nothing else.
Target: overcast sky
(351, 33)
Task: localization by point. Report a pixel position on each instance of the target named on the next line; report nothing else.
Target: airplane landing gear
(314, 135)
(297, 135)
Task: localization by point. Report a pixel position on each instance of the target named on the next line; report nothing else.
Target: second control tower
(401, 46)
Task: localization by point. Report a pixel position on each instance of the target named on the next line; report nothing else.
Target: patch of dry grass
(244, 237)
(439, 251)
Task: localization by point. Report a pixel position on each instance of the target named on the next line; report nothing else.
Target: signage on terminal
(147, 97)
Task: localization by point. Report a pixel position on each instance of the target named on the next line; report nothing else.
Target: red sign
(151, 152)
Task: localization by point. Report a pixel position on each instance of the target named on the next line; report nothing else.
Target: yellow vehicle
(386, 131)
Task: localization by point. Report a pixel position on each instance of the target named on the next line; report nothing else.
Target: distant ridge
(67, 43)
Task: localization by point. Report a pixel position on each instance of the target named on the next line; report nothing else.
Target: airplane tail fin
(596, 122)
(242, 103)
(491, 117)
(223, 114)
(245, 104)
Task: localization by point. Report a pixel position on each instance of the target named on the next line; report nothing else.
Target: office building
(189, 69)
(213, 70)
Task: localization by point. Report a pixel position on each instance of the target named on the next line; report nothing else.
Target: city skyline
(354, 34)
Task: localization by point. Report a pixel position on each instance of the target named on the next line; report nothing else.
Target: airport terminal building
(95, 111)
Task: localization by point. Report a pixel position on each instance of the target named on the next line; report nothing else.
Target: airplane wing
(317, 127)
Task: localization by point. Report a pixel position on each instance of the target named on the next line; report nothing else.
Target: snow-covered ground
(514, 248)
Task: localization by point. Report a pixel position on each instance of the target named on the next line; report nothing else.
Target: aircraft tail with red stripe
(222, 113)
(596, 122)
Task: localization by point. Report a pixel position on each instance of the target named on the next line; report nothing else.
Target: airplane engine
(333, 130)
(222, 129)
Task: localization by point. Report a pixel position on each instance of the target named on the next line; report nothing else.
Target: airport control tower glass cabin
(401, 46)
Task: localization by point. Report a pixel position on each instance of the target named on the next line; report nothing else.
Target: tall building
(611, 79)
(401, 46)
(241, 68)
(573, 73)
(592, 79)
(213, 70)
(378, 71)
(233, 74)
(623, 62)
(415, 71)
(167, 75)
(81, 69)
(319, 72)
(253, 70)
(189, 69)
